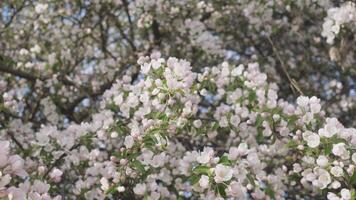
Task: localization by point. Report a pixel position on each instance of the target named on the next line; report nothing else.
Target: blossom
(140, 189)
(313, 140)
(303, 101)
(56, 174)
(323, 178)
(340, 150)
(204, 181)
(205, 156)
(235, 189)
(222, 173)
(4, 149)
(233, 153)
(197, 123)
(129, 141)
(331, 128)
(40, 187)
(120, 188)
(314, 104)
(104, 183)
(322, 161)
(336, 171)
(345, 194)
(41, 8)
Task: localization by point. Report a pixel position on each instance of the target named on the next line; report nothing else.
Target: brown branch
(58, 160)
(132, 36)
(293, 83)
(17, 72)
(13, 138)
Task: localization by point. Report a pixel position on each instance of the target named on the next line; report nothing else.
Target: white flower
(297, 168)
(222, 173)
(4, 149)
(104, 183)
(223, 122)
(36, 49)
(41, 8)
(145, 68)
(237, 71)
(23, 52)
(56, 174)
(206, 155)
(129, 141)
(242, 149)
(313, 140)
(118, 100)
(335, 184)
(235, 120)
(120, 189)
(233, 153)
(314, 104)
(158, 160)
(235, 189)
(322, 161)
(114, 134)
(336, 171)
(330, 129)
(323, 178)
(303, 101)
(140, 189)
(345, 194)
(40, 187)
(204, 181)
(340, 150)
(197, 123)
(332, 196)
(354, 158)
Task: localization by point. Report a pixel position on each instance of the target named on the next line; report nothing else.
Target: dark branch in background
(132, 36)
(293, 83)
(6, 68)
(61, 157)
(12, 136)
(13, 16)
(122, 33)
(156, 33)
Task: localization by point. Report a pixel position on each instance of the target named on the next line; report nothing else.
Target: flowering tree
(120, 99)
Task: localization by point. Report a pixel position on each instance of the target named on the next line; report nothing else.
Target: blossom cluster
(155, 99)
(174, 133)
(338, 17)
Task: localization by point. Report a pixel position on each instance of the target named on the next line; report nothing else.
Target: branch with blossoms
(145, 99)
(253, 144)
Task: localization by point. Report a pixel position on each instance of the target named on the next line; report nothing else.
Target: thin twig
(12, 136)
(291, 80)
(56, 162)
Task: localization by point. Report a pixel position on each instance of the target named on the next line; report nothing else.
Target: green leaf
(225, 160)
(201, 170)
(328, 148)
(259, 121)
(252, 97)
(270, 192)
(259, 136)
(353, 179)
(292, 119)
(194, 179)
(111, 190)
(138, 166)
(292, 144)
(353, 194)
(251, 179)
(336, 140)
(220, 189)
